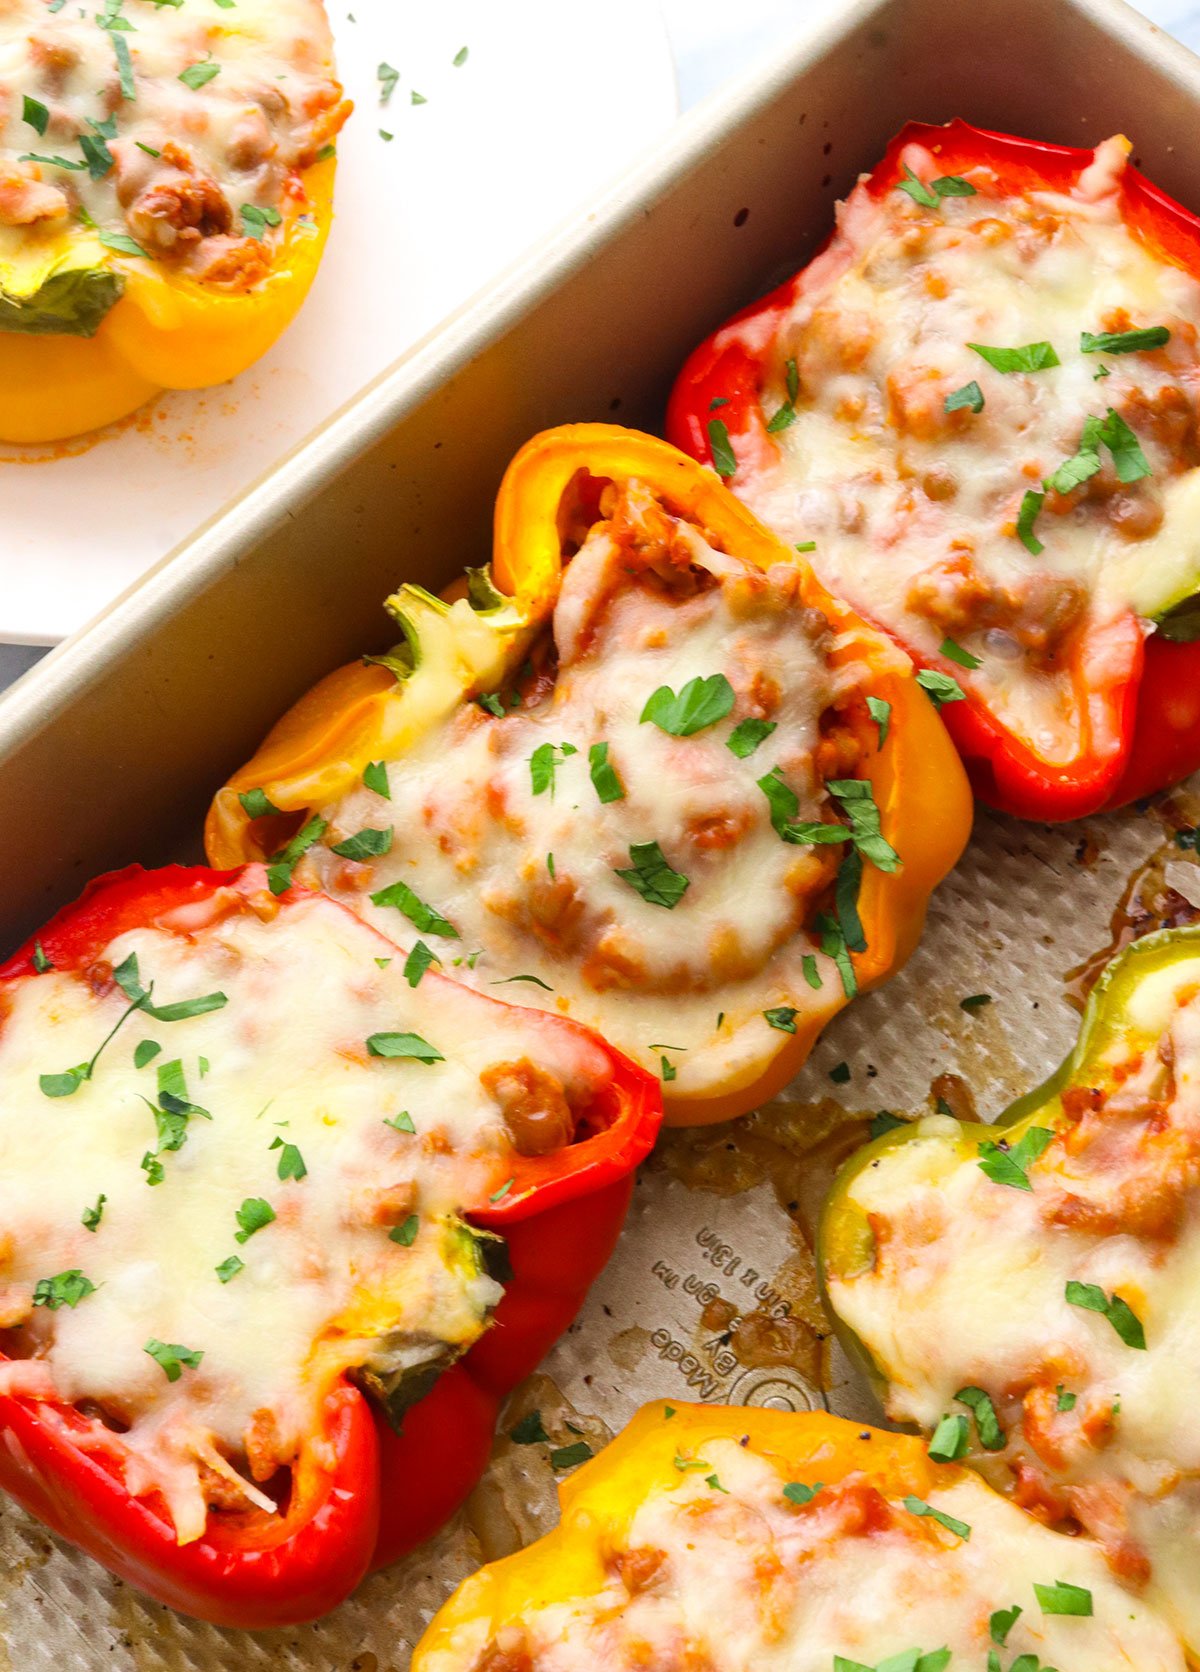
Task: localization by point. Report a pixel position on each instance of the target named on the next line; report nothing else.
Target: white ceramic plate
(548, 106)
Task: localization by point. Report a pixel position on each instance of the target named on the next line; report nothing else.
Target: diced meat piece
(534, 1105)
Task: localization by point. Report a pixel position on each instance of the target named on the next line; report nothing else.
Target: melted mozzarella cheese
(914, 510)
(749, 1582)
(259, 102)
(531, 880)
(285, 1061)
(968, 1288)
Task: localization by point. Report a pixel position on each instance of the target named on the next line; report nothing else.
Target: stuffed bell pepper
(266, 1180)
(978, 407)
(1030, 1292)
(166, 178)
(711, 1539)
(647, 773)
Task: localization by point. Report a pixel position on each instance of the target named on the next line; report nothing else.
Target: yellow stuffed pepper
(711, 1539)
(166, 178)
(647, 770)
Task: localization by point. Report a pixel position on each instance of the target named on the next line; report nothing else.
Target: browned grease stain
(74, 446)
(516, 1501)
(628, 1347)
(1148, 902)
(952, 1091)
(796, 1148)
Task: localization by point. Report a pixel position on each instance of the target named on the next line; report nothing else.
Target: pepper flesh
(167, 331)
(1136, 695)
(360, 713)
(361, 1494)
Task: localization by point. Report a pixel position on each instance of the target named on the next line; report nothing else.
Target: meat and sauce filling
(637, 827)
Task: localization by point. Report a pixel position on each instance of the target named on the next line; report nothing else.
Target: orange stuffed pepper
(166, 186)
(647, 771)
(728, 1539)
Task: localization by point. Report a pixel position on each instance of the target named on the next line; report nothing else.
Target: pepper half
(361, 1492)
(813, 1541)
(1070, 1224)
(1134, 680)
(165, 330)
(366, 714)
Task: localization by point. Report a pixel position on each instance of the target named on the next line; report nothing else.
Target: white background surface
(506, 147)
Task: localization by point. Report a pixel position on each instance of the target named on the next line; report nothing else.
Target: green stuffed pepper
(1028, 1293)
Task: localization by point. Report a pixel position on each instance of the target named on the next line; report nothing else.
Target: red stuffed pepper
(267, 1181)
(978, 405)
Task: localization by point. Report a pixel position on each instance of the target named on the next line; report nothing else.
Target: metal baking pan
(110, 748)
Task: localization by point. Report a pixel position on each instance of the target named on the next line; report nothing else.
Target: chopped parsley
(669, 1071)
(881, 712)
(941, 688)
(1083, 463)
(566, 1457)
(715, 1482)
(1002, 1622)
(883, 1120)
(1064, 1598)
(1117, 342)
(974, 1002)
(723, 457)
(987, 1424)
(799, 1492)
(542, 763)
(928, 196)
(403, 1122)
(375, 778)
(291, 1162)
(35, 113)
(1031, 505)
(229, 1268)
(786, 415)
(199, 75)
(69, 1082)
(91, 1217)
(834, 945)
(782, 1017)
(950, 1439)
(279, 872)
(254, 1214)
(460, 57)
(41, 963)
(256, 803)
(411, 1045)
(967, 399)
(255, 221)
(490, 700)
(1030, 357)
(651, 876)
(856, 799)
(387, 77)
(1128, 459)
(530, 1431)
(746, 736)
(605, 782)
(417, 962)
(366, 844)
(533, 980)
(840, 1073)
(1006, 1163)
(422, 916)
(699, 704)
(172, 1357)
(811, 973)
(1066, 1400)
(918, 1506)
(1092, 1298)
(405, 1234)
(499, 1195)
(66, 1288)
(954, 652)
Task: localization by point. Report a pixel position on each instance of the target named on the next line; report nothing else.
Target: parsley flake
(652, 877)
(699, 704)
(172, 1357)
